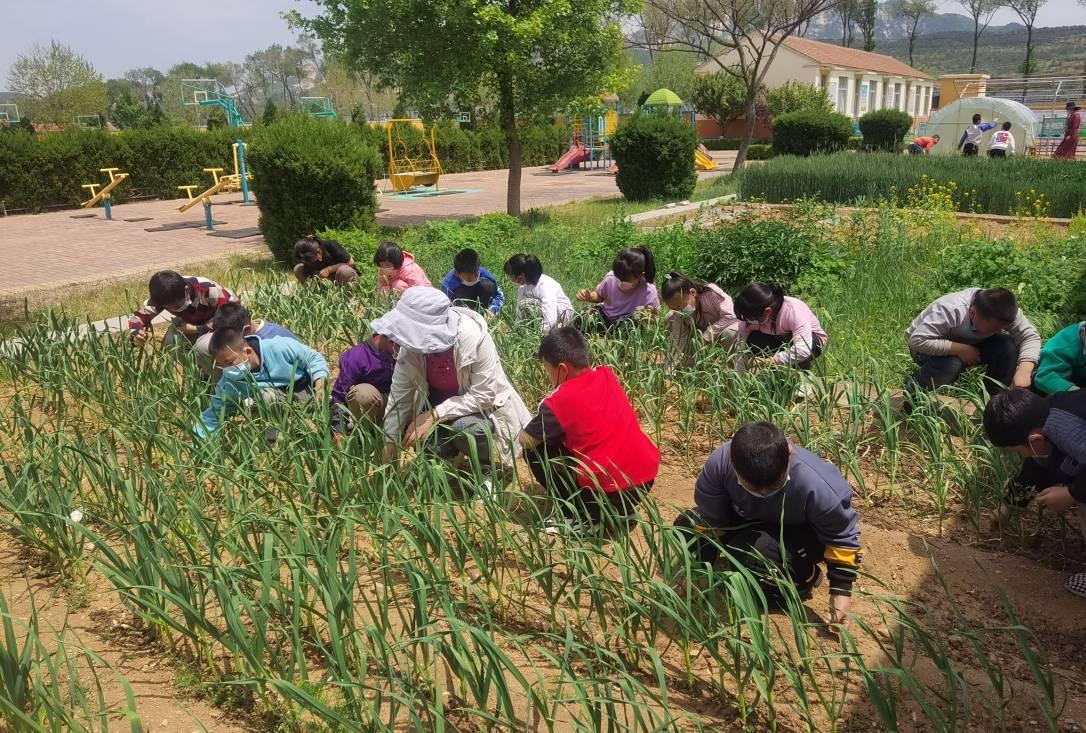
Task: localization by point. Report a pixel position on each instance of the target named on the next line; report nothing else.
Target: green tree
(981, 12)
(741, 37)
(55, 84)
(1027, 10)
(216, 118)
(796, 96)
(866, 21)
(127, 112)
(913, 11)
(271, 112)
(399, 112)
(672, 70)
(155, 117)
(530, 56)
(721, 96)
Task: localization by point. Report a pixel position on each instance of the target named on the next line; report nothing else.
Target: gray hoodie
(947, 320)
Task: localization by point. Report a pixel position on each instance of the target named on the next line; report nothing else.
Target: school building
(856, 81)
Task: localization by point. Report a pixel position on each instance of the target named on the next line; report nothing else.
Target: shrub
(308, 175)
(759, 151)
(804, 133)
(728, 143)
(655, 156)
(752, 250)
(885, 129)
(846, 178)
(796, 96)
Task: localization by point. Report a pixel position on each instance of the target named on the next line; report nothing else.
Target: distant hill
(7, 97)
(1057, 50)
(827, 27)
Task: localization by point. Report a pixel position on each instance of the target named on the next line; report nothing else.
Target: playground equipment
(407, 171)
(116, 178)
(589, 140)
(236, 181)
(319, 107)
(89, 122)
(211, 93)
(9, 114)
(702, 160)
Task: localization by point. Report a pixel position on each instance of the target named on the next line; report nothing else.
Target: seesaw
(103, 196)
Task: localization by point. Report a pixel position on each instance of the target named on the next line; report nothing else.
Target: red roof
(827, 54)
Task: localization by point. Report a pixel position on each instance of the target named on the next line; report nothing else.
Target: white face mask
(627, 287)
(469, 283)
(758, 495)
(688, 310)
(185, 306)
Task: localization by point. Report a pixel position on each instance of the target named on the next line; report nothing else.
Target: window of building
(899, 97)
(842, 94)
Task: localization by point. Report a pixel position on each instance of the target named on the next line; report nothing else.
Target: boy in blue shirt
(470, 284)
(256, 368)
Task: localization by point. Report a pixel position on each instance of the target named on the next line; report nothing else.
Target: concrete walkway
(45, 253)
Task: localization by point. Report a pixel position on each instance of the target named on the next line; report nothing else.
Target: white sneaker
(486, 492)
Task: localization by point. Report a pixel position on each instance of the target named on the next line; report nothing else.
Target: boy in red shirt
(585, 444)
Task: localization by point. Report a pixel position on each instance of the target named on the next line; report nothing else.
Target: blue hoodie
(284, 362)
(452, 281)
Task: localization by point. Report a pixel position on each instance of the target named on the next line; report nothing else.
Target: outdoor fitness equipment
(9, 114)
(211, 93)
(319, 107)
(236, 181)
(89, 122)
(115, 179)
(407, 171)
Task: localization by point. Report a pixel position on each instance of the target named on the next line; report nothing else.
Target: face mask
(238, 371)
(185, 306)
(469, 283)
(626, 287)
(757, 495)
(688, 310)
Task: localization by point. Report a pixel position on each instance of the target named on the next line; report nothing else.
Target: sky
(117, 35)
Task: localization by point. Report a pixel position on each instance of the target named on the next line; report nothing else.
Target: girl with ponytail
(625, 290)
(698, 309)
(778, 329)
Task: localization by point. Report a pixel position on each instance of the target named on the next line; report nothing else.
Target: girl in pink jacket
(778, 329)
(397, 270)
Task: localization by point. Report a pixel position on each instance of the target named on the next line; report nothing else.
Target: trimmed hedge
(655, 156)
(885, 129)
(981, 185)
(805, 133)
(42, 171)
(310, 175)
(37, 172)
(729, 143)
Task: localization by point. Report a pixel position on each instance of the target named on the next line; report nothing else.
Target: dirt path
(159, 704)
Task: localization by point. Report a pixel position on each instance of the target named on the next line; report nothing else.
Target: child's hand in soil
(1056, 498)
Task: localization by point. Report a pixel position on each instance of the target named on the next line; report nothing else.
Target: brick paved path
(45, 252)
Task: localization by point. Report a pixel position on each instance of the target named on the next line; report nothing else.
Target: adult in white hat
(447, 376)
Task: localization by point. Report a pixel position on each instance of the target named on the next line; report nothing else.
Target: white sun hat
(423, 321)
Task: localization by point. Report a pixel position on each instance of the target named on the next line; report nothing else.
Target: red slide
(576, 154)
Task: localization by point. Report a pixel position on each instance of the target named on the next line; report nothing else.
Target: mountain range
(827, 27)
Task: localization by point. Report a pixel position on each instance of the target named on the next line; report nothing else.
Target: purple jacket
(362, 364)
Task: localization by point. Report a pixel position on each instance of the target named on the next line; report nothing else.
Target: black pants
(1035, 476)
(970, 150)
(997, 153)
(915, 149)
(554, 468)
(757, 547)
(477, 296)
(765, 344)
(998, 355)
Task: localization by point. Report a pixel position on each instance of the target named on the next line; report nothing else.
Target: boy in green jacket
(1062, 366)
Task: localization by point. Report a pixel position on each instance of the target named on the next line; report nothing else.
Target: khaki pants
(365, 401)
(200, 348)
(343, 275)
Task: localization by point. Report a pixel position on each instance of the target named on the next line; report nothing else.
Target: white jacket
(485, 390)
(549, 297)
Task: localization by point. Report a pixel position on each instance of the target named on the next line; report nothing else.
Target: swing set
(412, 160)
